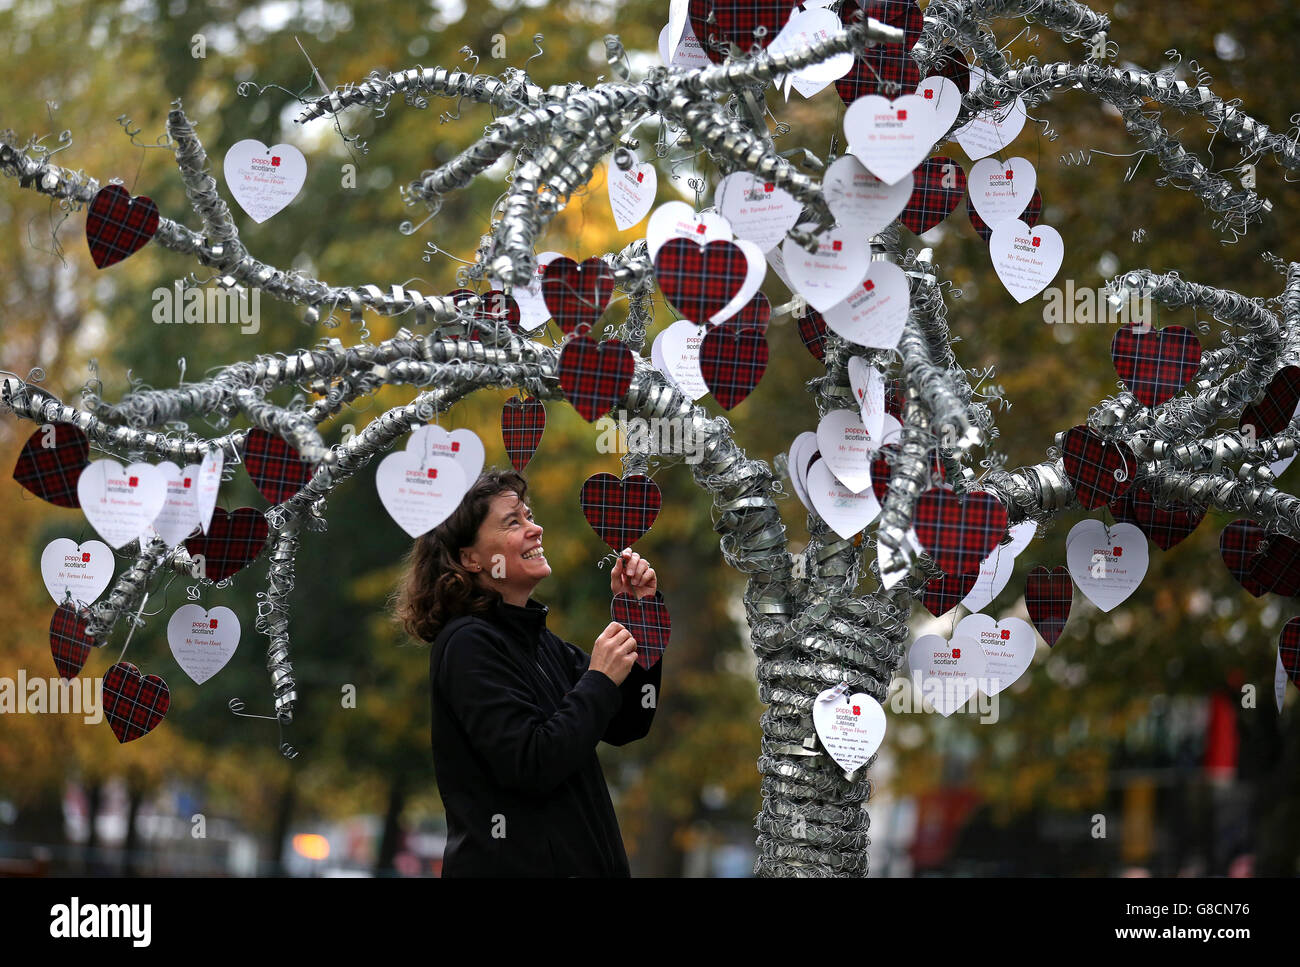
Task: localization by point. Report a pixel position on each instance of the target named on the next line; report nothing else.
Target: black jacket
(517, 714)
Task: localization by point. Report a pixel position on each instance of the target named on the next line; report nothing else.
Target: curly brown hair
(436, 587)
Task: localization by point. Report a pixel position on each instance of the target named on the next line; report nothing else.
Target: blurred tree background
(1064, 729)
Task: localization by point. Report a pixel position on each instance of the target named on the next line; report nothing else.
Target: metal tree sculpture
(810, 628)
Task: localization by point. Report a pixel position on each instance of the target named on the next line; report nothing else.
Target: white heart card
(120, 502)
(875, 312)
(850, 727)
(462, 445)
(1107, 569)
(264, 180)
(944, 97)
(844, 511)
(419, 494)
(757, 210)
(676, 219)
(678, 348)
(857, 197)
(83, 569)
(180, 510)
(868, 386)
(1008, 645)
(948, 673)
(631, 193)
(1026, 259)
(990, 131)
(1000, 190)
(830, 274)
(533, 313)
(891, 137)
(995, 570)
(202, 641)
(209, 484)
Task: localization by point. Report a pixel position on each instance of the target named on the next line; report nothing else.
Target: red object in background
(1221, 738)
(940, 815)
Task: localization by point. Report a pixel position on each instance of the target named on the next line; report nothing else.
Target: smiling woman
(517, 710)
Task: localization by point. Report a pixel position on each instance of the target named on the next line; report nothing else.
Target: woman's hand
(632, 574)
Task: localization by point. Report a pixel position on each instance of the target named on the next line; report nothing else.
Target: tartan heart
(1155, 364)
(700, 279)
(943, 593)
(522, 424)
(274, 466)
(738, 19)
(813, 332)
(1239, 547)
(756, 315)
(576, 295)
(1272, 413)
(882, 468)
(875, 68)
(118, 225)
(595, 376)
(70, 642)
(1289, 648)
(1049, 596)
(1029, 216)
(1165, 527)
(931, 201)
(1277, 567)
(959, 532)
(52, 472)
(133, 705)
(648, 620)
(1091, 462)
(620, 511)
(732, 363)
(233, 541)
(709, 34)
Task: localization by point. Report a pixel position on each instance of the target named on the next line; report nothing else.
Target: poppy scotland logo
(1118, 552)
(187, 482)
(455, 446)
(1037, 241)
(836, 245)
(956, 653)
(769, 186)
(929, 93)
(275, 161)
(1005, 634)
(212, 622)
(902, 115)
(133, 482)
(699, 229)
(1010, 174)
(433, 473)
(868, 285)
(85, 556)
(857, 710)
(640, 177)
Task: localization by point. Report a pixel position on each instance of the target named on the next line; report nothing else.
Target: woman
(517, 710)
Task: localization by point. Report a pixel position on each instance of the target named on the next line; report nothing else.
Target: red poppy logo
(868, 285)
(212, 623)
(929, 93)
(85, 555)
(699, 229)
(455, 446)
(275, 161)
(769, 186)
(133, 482)
(1005, 634)
(187, 481)
(1037, 240)
(857, 710)
(1118, 552)
(640, 177)
(836, 245)
(902, 115)
(433, 473)
(956, 653)
(1010, 174)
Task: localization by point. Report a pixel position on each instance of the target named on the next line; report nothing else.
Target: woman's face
(508, 551)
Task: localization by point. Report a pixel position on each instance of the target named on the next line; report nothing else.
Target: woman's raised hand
(614, 653)
(632, 574)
